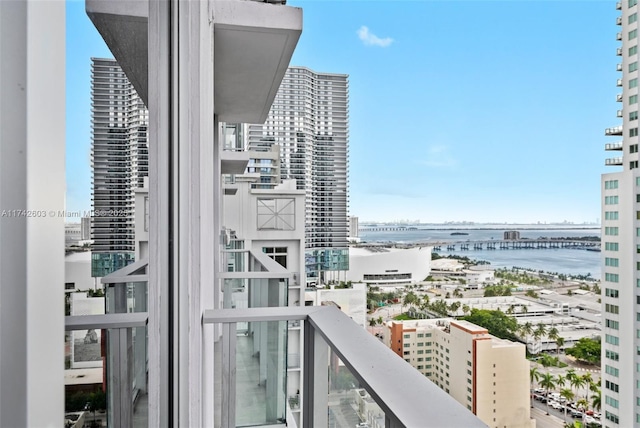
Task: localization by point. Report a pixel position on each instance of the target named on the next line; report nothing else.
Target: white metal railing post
(315, 378)
(228, 375)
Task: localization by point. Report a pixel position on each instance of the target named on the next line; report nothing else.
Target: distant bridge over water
(520, 244)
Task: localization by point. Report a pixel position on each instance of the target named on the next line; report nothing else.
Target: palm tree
(576, 382)
(553, 335)
(547, 382)
(588, 382)
(524, 309)
(559, 344)
(561, 380)
(596, 400)
(534, 375)
(466, 309)
(373, 322)
(540, 331)
(568, 394)
(380, 320)
(526, 329)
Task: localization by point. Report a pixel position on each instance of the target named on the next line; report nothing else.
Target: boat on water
(458, 233)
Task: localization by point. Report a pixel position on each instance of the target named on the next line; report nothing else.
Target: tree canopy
(586, 349)
(497, 322)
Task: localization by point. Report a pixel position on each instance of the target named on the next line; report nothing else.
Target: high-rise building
(488, 375)
(621, 242)
(309, 120)
(119, 160)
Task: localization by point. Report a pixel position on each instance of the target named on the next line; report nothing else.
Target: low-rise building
(377, 265)
(490, 376)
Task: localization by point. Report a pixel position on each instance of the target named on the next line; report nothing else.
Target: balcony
(613, 146)
(619, 20)
(619, 51)
(613, 161)
(619, 113)
(618, 67)
(619, 82)
(618, 36)
(252, 48)
(616, 130)
(397, 392)
(619, 5)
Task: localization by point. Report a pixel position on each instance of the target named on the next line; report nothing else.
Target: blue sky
(459, 110)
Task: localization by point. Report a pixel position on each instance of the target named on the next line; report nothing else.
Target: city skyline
(427, 140)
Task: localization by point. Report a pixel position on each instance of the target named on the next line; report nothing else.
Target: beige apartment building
(490, 376)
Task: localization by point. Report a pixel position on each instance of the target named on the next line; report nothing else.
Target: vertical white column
(182, 252)
(315, 378)
(32, 182)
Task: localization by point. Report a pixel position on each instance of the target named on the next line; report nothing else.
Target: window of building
(633, 115)
(611, 401)
(633, 82)
(612, 340)
(407, 345)
(610, 292)
(611, 215)
(279, 254)
(633, 34)
(633, 164)
(633, 18)
(406, 336)
(633, 3)
(633, 66)
(611, 184)
(633, 148)
(610, 416)
(633, 99)
(611, 261)
(612, 200)
(612, 355)
(633, 132)
(611, 246)
(611, 370)
(612, 324)
(611, 230)
(612, 309)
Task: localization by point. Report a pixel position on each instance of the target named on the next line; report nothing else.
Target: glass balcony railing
(613, 146)
(616, 130)
(106, 371)
(613, 161)
(349, 377)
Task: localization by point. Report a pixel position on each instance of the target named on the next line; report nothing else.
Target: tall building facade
(621, 241)
(488, 375)
(309, 120)
(120, 162)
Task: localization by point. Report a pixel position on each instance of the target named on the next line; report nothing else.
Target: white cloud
(370, 39)
(438, 156)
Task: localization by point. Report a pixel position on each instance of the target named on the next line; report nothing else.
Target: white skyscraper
(119, 160)
(621, 242)
(309, 120)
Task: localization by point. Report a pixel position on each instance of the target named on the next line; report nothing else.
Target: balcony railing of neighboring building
(618, 67)
(616, 130)
(619, 5)
(613, 162)
(619, 82)
(613, 146)
(126, 359)
(619, 113)
(619, 20)
(619, 51)
(402, 396)
(619, 36)
(619, 98)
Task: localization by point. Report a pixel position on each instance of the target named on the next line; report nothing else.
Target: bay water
(561, 260)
